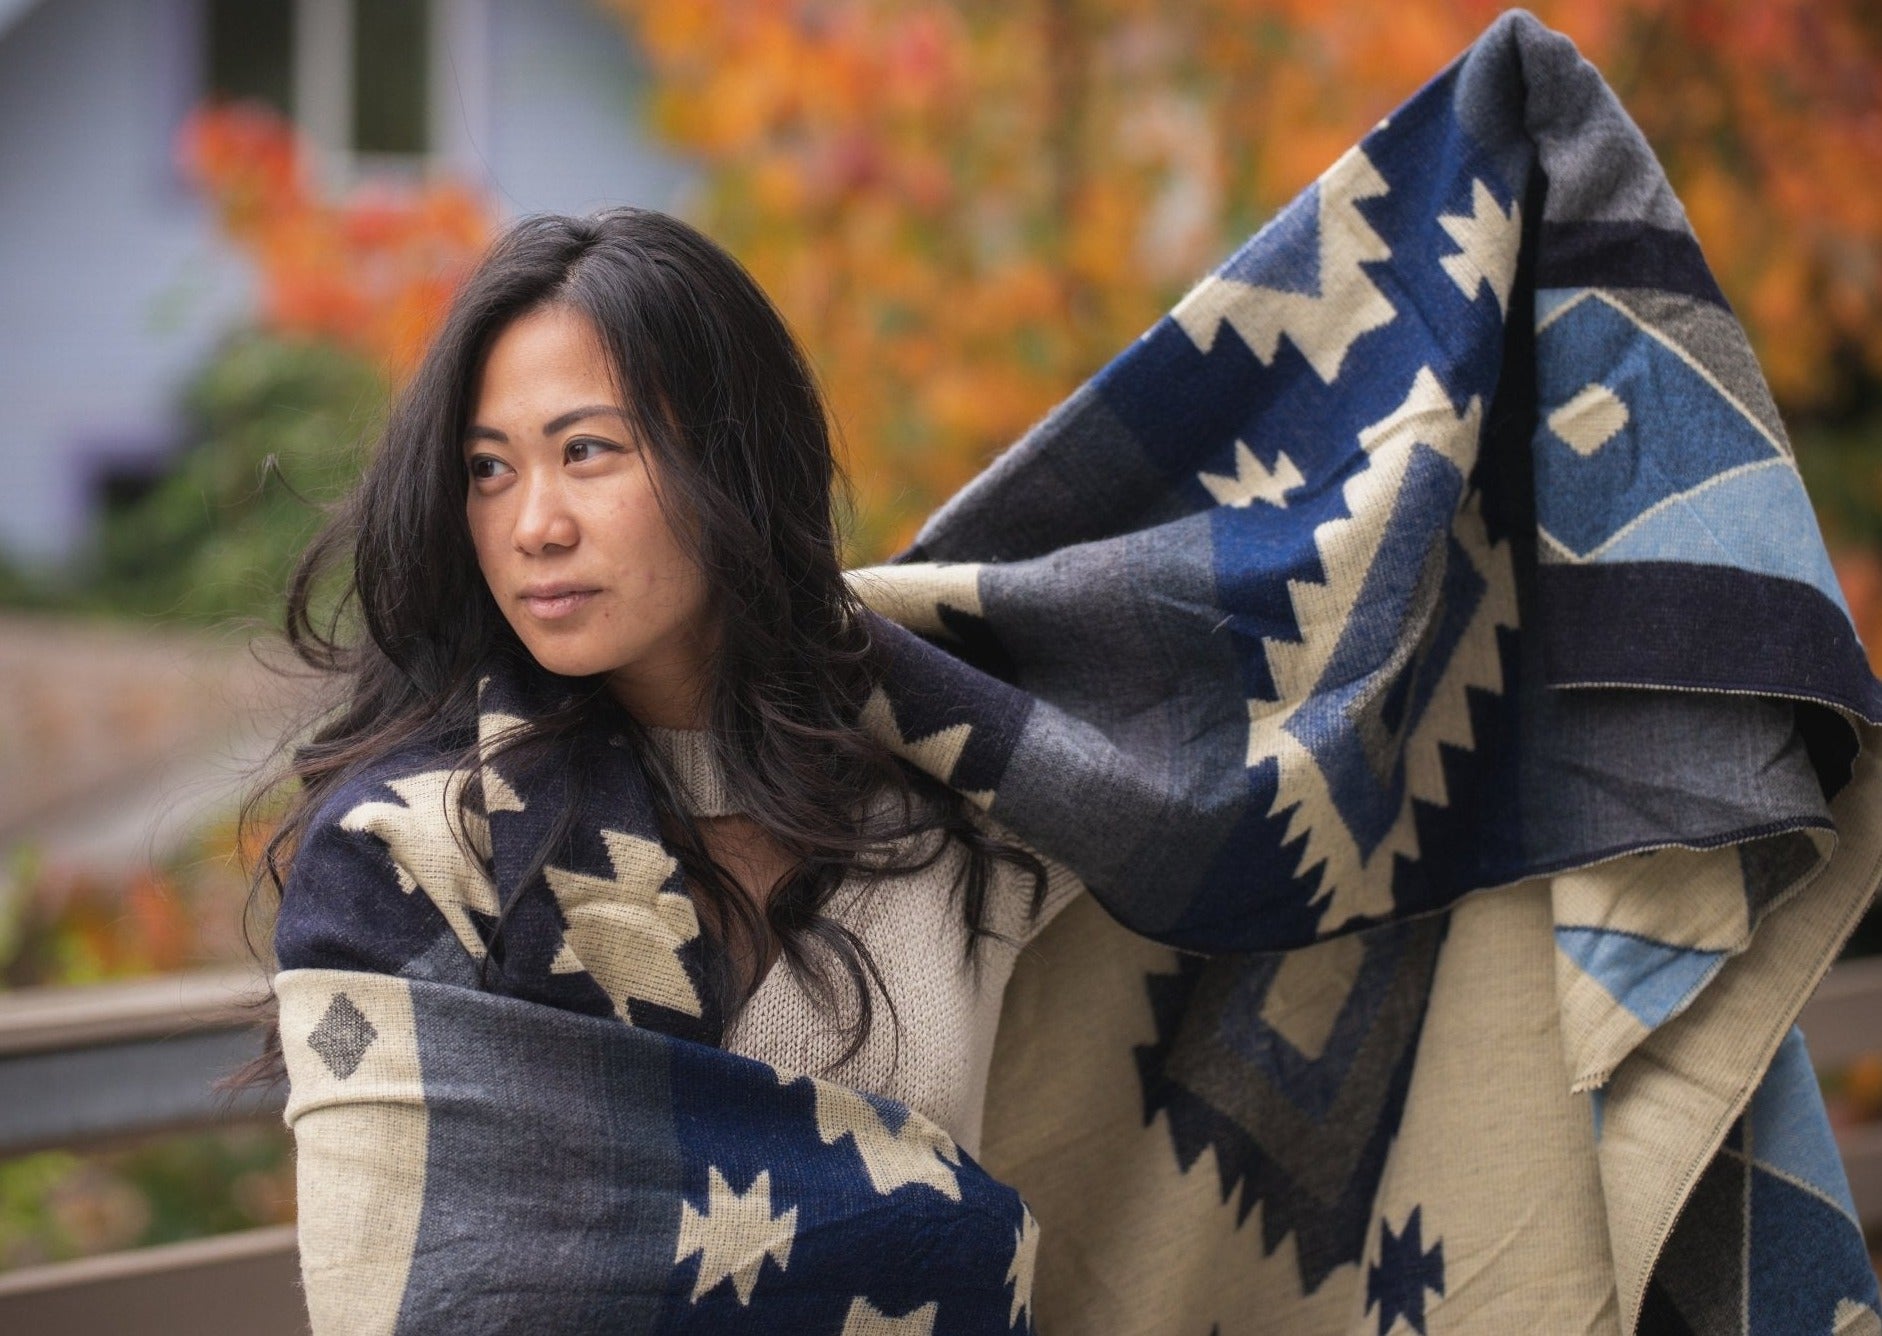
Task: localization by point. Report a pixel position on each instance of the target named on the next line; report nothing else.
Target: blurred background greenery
(964, 208)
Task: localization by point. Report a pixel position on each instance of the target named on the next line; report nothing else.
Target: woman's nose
(544, 520)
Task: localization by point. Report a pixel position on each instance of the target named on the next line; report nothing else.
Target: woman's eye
(484, 467)
(584, 448)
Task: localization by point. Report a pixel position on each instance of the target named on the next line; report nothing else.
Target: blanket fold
(1420, 645)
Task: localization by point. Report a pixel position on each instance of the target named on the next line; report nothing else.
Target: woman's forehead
(543, 368)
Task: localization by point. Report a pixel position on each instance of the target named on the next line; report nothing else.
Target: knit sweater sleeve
(1011, 911)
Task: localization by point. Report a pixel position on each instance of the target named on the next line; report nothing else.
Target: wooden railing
(84, 1065)
(122, 1059)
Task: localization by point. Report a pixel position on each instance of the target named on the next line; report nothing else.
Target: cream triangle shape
(432, 843)
(913, 594)
(1353, 883)
(1323, 326)
(1019, 1272)
(493, 728)
(919, 1152)
(734, 1235)
(1855, 1319)
(865, 1319)
(1254, 481)
(936, 753)
(1488, 238)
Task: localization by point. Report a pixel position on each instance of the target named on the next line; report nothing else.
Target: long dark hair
(388, 603)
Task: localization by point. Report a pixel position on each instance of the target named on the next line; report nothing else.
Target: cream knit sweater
(936, 1058)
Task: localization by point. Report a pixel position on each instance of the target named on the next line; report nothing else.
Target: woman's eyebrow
(561, 422)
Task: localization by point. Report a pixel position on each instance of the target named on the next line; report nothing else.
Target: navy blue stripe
(1624, 255)
(552, 1170)
(1676, 624)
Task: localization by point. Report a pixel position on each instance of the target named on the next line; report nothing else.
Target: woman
(614, 471)
(601, 516)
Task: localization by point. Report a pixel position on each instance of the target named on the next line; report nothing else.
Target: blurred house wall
(113, 281)
(564, 129)
(111, 285)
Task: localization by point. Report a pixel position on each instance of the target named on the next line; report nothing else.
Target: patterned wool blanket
(1444, 541)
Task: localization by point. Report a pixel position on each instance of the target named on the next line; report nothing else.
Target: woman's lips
(549, 605)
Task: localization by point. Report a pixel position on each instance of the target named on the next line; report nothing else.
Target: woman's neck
(668, 687)
(671, 699)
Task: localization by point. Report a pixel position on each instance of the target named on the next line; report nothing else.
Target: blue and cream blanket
(1420, 645)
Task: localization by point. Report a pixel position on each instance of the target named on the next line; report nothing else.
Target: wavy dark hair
(720, 392)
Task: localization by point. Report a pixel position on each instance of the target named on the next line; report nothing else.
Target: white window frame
(457, 86)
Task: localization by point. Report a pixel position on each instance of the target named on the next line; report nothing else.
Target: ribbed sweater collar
(688, 753)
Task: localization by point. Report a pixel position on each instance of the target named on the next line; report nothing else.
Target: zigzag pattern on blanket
(669, 1212)
(1467, 424)
(1372, 504)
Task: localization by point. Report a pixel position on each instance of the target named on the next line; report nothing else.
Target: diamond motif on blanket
(1590, 420)
(342, 1036)
(1309, 991)
(1274, 1117)
(1374, 690)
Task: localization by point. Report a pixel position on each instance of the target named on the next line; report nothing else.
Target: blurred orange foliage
(84, 930)
(373, 270)
(58, 925)
(965, 208)
(1859, 571)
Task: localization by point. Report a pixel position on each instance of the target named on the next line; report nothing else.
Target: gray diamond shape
(342, 1037)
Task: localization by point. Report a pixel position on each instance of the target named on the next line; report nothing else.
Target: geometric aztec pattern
(1258, 1060)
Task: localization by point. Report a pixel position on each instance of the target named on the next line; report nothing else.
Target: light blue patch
(1759, 520)
(1285, 255)
(1680, 432)
(1598, 1107)
(1790, 1131)
(1551, 300)
(1653, 980)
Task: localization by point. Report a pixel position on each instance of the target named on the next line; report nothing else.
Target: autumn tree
(965, 208)
(370, 269)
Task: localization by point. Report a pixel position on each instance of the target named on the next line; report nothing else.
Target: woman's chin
(569, 661)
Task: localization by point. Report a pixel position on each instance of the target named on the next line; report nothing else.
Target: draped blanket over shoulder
(1420, 646)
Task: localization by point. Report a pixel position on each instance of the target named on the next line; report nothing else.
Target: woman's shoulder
(406, 779)
(386, 868)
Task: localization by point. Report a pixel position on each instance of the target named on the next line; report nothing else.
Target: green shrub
(279, 429)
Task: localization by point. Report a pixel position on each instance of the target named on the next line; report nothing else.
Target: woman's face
(568, 527)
